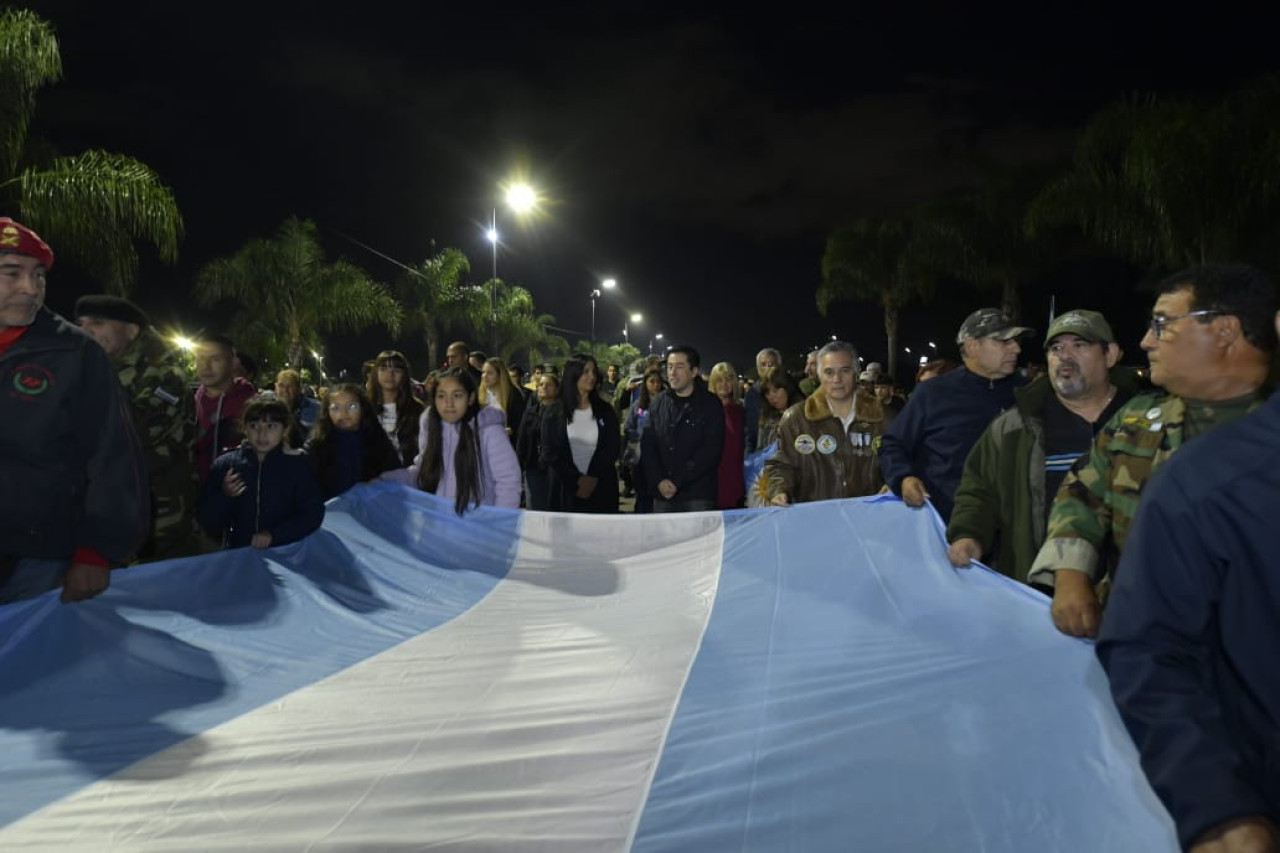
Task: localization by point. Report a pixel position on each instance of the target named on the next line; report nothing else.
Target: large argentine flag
(805, 679)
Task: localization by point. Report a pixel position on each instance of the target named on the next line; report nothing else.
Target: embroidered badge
(31, 380)
(827, 445)
(803, 444)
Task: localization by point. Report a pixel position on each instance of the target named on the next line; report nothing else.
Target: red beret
(18, 239)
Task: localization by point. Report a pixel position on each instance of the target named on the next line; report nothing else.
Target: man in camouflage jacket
(155, 383)
(1209, 343)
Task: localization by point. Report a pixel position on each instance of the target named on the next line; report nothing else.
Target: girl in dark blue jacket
(262, 493)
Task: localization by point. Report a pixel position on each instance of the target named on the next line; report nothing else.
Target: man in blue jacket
(922, 454)
(73, 483)
(1191, 633)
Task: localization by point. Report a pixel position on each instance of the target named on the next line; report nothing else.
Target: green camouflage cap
(1090, 325)
(990, 323)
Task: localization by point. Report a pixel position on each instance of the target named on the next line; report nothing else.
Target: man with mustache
(1210, 344)
(922, 452)
(73, 482)
(1013, 472)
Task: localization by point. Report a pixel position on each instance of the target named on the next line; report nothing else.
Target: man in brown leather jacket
(827, 444)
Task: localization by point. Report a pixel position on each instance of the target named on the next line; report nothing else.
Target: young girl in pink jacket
(463, 450)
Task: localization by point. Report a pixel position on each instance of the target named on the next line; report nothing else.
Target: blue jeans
(33, 576)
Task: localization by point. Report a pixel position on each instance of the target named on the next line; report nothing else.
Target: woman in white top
(581, 443)
(498, 392)
(391, 393)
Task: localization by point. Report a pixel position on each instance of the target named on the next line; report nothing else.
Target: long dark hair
(467, 465)
(574, 367)
(376, 449)
(644, 401)
(408, 408)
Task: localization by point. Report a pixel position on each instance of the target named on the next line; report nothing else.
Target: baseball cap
(990, 323)
(18, 239)
(1090, 325)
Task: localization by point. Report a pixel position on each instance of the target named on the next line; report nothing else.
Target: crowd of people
(108, 458)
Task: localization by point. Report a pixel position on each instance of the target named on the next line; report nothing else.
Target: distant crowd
(1072, 480)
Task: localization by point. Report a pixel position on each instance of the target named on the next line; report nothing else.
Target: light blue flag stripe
(855, 692)
(151, 661)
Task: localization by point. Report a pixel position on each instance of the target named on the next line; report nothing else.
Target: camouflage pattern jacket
(155, 384)
(818, 460)
(1095, 505)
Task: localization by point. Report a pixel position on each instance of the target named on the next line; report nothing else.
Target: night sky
(699, 157)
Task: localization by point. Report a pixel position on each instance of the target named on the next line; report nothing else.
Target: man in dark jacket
(922, 454)
(1013, 472)
(1190, 634)
(681, 444)
(155, 384)
(73, 484)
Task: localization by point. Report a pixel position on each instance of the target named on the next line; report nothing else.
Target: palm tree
(435, 298)
(91, 206)
(520, 329)
(871, 261)
(1171, 183)
(284, 283)
(981, 236)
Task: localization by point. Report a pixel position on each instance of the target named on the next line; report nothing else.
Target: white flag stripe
(531, 722)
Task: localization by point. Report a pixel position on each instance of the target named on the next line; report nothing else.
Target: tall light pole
(634, 318)
(656, 337)
(521, 198)
(594, 294)
(607, 284)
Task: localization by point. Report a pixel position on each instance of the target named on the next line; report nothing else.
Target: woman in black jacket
(581, 443)
(537, 480)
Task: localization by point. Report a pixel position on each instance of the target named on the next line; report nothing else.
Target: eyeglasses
(1159, 321)
(336, 408)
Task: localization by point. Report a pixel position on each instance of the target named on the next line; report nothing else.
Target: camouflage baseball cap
(990, 323)
(1090, 325)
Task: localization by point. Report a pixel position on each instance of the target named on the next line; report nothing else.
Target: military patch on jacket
(826, 445)
(804, 444)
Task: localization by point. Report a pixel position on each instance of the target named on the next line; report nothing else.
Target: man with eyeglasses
(1190, 636)
(1209, 343)
(1013, 472)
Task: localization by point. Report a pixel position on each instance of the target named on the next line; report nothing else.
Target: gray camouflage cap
(990, 323)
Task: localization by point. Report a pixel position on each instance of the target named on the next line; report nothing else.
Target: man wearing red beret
(73, 485)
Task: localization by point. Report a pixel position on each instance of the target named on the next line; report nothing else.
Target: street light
(521, 198)
(594, 294)
(656, 337)
(319, 364)
(634, 318)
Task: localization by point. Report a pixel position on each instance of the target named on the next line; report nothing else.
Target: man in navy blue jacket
(922, 454)
(73, 482)
(1191, 636)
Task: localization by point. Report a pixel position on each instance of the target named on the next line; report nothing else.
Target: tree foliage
(1169, 183)
(871, 261)
(91, 207)
(288, 293)
(436, 300)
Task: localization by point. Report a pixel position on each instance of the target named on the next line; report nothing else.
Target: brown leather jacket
(817, 460)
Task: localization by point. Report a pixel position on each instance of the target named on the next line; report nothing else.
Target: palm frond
(93, 206)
